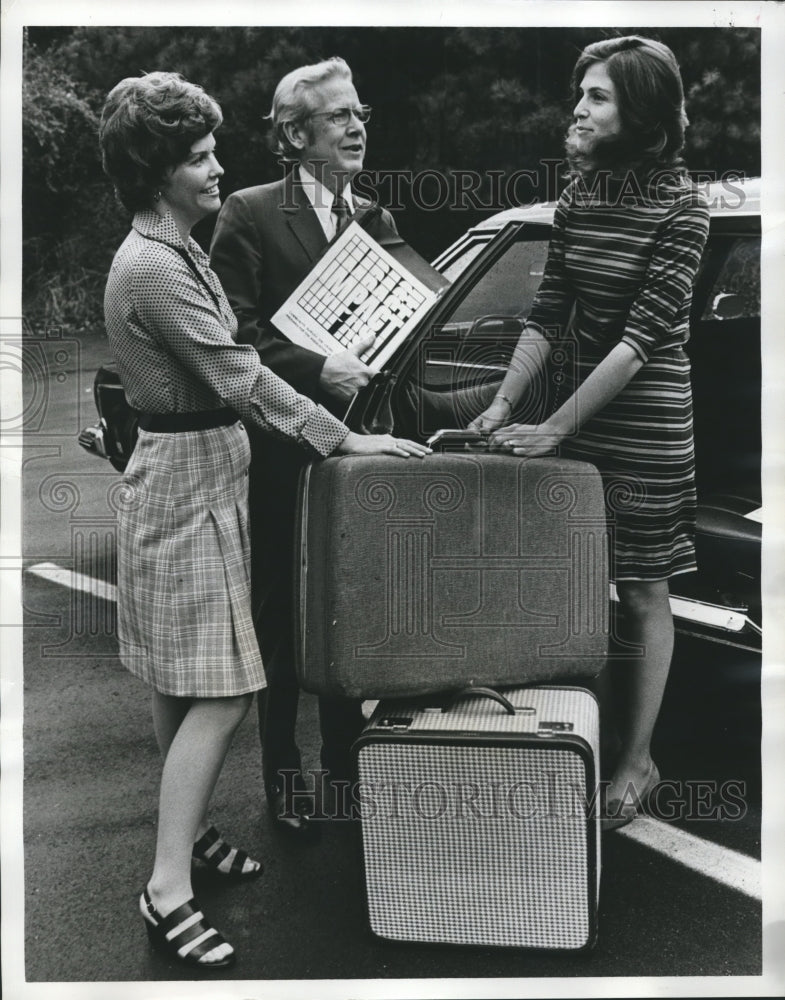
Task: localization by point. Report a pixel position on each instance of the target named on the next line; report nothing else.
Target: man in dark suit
(266, 240)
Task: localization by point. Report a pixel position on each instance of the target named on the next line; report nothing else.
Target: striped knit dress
(626, 259)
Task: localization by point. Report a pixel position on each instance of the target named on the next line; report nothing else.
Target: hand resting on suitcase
(381, 444)
(526, 440)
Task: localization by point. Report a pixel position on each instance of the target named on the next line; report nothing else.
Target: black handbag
(115, 434)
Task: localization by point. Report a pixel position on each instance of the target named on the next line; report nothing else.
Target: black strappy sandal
(206, 854)
(179, 946)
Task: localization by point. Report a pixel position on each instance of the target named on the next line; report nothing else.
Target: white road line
(76, 581)
(738, 871)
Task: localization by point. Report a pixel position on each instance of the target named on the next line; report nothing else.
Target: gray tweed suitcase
(429, 575)
(478, 819)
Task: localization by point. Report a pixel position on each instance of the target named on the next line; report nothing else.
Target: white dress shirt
(322, 200)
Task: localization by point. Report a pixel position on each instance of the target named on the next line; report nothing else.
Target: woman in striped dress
(184, 609)
(628, 235)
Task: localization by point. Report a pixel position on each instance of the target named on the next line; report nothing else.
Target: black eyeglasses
(342, 116)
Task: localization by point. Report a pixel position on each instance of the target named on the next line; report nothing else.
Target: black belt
(200, 420)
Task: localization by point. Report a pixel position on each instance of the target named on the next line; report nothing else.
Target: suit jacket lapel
(302, 219)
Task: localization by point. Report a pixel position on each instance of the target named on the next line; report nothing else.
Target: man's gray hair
(293, 100)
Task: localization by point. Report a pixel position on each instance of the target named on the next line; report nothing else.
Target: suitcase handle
(482, 692)
(458, 440)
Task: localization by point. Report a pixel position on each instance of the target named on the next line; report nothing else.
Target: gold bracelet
(507, 400)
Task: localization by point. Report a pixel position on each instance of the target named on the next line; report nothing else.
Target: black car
(448, 369)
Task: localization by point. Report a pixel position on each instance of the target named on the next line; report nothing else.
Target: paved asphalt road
(90, 783)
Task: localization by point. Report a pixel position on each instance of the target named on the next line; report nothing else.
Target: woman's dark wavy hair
(148, 125)
(650, 97)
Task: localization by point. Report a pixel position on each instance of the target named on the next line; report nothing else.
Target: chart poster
(355, 288)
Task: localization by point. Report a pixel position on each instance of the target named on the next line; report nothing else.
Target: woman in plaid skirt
(184, 614)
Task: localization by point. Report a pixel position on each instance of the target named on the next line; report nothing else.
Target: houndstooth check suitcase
(478, 821)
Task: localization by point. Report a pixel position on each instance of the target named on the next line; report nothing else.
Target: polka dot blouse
(175, 347)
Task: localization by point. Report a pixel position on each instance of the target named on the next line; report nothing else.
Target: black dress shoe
(288, 818)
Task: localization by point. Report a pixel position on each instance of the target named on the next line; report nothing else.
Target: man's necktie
(341, 213)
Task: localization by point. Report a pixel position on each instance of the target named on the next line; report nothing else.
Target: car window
(724, 351)
(463, 355)
(735, 293)
(459, 265)
(507, 288)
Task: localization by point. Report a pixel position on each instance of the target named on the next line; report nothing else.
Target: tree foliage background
(445, 101)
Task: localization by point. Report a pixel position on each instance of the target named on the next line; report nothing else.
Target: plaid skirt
(183, 578)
